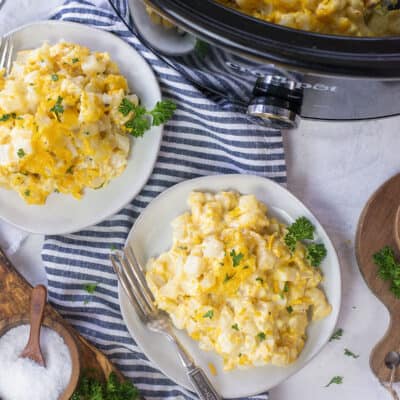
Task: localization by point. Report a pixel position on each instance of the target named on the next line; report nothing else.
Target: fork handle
(202, 384)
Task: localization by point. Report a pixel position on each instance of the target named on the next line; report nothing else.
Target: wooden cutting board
(379, 223)
(15, 299)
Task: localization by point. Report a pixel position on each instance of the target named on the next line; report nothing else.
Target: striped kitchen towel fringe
(203, 138)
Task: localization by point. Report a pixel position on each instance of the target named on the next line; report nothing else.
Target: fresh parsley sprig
(90, 388)
(143, 119)
(389, 268)
(303, 229)
(316, 252)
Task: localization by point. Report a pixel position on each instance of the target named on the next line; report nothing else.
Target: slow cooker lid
(375, 57)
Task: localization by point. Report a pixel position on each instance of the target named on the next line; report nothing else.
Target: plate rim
(159, 130)
(291, 195)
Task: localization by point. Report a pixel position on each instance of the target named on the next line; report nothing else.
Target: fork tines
(6, 53)
(132, 279)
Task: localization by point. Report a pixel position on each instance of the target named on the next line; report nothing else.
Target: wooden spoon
(38, 303)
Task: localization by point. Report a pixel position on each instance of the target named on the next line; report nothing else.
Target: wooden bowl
(69, 340)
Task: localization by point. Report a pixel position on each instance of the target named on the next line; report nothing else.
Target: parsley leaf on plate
(58, 108)
(126, 107)
(236, 258)
(228, 277)
(315, 253)
(21, 153)
(6, 117)
(209, 314)
(301, 229)
(235, 327)
(261, 336)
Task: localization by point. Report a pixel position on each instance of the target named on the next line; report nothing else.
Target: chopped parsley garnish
(337, 335)
(21, 153)
(54, 77)
(315, 253)
(209, 314)
(143, 119)
(27, 193)
(349, 353)
(336, 380)
(261, 336)
(58, 108)
(228, 277)
(113, 247)
(91, 388)
(6, 117)
(70, 170)
(236, 258)
(261, 280)
(90, 287)
(286, 287)
(289, 309)
(301, 229)
(389, 268)
(75, 60)
(235, 327)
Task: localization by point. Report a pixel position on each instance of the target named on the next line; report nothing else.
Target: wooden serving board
(378, 226)
(15, 294)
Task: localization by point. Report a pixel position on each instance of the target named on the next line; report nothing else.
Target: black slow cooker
(276, 73)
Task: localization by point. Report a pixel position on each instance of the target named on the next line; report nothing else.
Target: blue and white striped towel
(202, 139)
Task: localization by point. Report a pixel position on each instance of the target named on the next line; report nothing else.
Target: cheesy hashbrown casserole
(60, 128)
(338, 17)
(233, 284)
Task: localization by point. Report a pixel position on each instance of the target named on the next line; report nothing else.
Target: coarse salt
(21, 378)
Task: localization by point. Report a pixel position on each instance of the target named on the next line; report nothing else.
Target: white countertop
(333, 167)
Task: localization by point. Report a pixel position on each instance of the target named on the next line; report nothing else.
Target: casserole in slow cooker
(339, 17)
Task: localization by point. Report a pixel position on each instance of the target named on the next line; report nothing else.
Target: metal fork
(6, 53)
(131, 277)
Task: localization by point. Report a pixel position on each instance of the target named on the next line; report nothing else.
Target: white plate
(152, 235)
(62, 213)
(166, 41)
